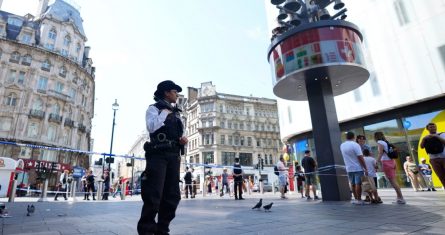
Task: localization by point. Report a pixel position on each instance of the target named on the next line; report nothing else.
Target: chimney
(43, 4)
(86, 52)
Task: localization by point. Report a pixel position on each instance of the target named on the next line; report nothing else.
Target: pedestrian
(194, 183)
(160, 180)
(412, 171)
(426, 171)
(361, 140)
(300, 178)
(225, 182)
(355, 166)
(388, 165)
(62, 185)
(238, 180)
(282, 176)
(106, 179)
(85, 187)
(90, 185)
(118, 187)
(310, 166)
(188, 182)
(433, 143)
(371, 165)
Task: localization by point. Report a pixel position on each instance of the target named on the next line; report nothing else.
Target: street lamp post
(115, 107)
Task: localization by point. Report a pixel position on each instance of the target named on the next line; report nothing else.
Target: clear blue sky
(138, 43)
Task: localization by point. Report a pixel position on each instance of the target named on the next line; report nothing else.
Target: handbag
(367, 184)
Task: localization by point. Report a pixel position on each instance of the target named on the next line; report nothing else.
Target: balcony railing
(55, 118)
(82, 128)
(59, 95)
(69, 122)
(35, 113)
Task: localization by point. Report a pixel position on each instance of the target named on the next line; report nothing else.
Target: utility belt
(165, 146)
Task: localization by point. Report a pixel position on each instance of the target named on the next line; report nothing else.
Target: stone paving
(424, 213)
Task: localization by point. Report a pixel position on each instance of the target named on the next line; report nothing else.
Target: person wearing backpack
(388, 164)
(434, 146)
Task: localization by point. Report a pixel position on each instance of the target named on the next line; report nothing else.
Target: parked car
(266, 188)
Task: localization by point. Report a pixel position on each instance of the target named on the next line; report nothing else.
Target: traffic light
(109, 160)
(98, 163)
(262, 164)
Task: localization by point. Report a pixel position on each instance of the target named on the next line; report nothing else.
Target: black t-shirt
(308, 164)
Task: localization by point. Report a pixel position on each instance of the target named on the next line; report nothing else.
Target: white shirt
(350, 151)
(281, 168)
(153, 119)
(385, 150)
(370, 165)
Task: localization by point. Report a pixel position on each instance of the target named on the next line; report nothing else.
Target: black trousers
(238, 186)
(61, 190)
(160, 193)
(188, 189)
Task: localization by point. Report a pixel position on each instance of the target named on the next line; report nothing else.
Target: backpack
(433, 145)
(392, 151)
(275, 170)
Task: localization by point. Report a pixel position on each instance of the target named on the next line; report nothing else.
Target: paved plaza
(424, 213)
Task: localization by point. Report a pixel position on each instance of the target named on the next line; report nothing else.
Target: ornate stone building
(221, 127)
(46, 88)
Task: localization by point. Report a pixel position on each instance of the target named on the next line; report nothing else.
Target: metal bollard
(73, 191)
(13, 191)
(43, 197)
(261, 187)
(123, 190)
(273, 187)
(100, 186)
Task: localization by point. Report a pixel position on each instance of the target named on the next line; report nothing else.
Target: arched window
(15, 57)
(27, 59)
(46, 65)
(62, 71)
(78, 47)
(56, 109)
(75, 78)
(11, 99)
(52, 34)
(67, 41)
(37, 104)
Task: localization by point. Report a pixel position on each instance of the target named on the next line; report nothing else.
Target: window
(52, 34)
(15, 22)
(32, 129)
(46, 65)
(26, 38)
(12, 76)
(5, 124)
(27, 59)
(49, 46)
(78, 47)
(241, 126)
(223, 124)
(208, 157)
(223, 139)
(65, 52)
(75, 79)
(402, 15)
(62, 71)
(48, 155)
(258, 143)
(236, 140)
(72, 93)
(230, 142)
(229, 124)
(249, 141)
(228, 158)
(59, 87)
(67, 41)
(21, 79)
(51, 134)
(242, 140)
(15, 57)
(43, 83)
(56, 109)
(37, 104)
(11, 99)
(245, 159)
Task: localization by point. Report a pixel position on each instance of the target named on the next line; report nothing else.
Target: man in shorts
(310, 165)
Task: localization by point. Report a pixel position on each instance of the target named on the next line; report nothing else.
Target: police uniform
(238, 181)
(160, 180)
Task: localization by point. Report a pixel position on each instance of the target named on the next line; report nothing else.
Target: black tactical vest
(172, 129)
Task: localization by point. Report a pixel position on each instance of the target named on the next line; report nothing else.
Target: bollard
(261, 187)
(123, 190)
(273, 187)
(13, 191)
(100, 186)
(44, 191)
(73, 191)
(248, 187)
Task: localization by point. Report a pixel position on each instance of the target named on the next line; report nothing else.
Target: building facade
(221, 127)
(405, 54)
(46, 89)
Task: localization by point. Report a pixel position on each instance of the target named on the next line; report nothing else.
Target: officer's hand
(166, 110)
(183, 140)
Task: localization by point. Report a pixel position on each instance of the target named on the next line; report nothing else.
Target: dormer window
(26, 38)
(15, 22)
(52, 34)
(15, 57)
(46, 65)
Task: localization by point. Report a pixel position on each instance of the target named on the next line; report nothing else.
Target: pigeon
(258, 205)
(267, 207)
(30, 210)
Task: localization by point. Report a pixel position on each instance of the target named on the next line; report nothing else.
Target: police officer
(160, 180)
(238, 179)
